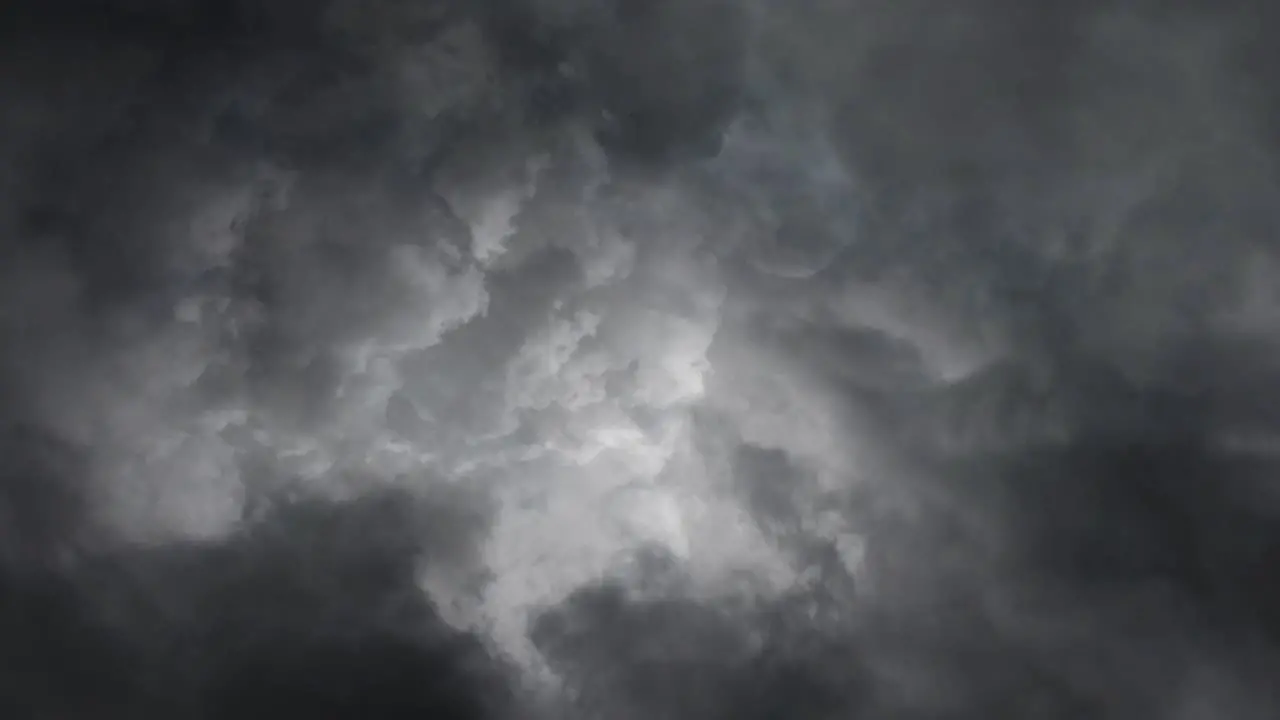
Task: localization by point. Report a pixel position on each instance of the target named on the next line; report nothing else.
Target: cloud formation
(529, 358)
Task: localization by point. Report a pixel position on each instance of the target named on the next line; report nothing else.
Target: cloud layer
(529, 358)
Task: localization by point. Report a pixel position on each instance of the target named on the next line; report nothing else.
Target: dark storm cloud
(313, 609)
(335, 335)
(125, 127)
(1078, 536)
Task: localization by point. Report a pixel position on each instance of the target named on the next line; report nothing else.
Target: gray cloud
(677, 359)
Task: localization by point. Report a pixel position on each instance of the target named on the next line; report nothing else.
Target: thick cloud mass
(622, 359)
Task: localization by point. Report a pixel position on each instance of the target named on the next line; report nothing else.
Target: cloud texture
(668, 359)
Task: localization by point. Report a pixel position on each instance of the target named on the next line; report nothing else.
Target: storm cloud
(668, 359)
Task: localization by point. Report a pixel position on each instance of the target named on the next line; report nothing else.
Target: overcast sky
(666, 359)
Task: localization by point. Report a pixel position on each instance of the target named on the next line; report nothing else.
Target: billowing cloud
(632, 359)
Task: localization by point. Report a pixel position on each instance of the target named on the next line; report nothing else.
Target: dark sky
(666, 359)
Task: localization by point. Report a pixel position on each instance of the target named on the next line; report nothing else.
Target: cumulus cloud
(529, 358)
